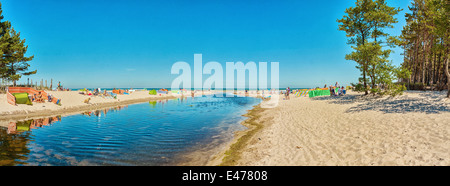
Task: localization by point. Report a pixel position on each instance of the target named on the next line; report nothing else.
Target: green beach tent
(152, 92)
(22, 98)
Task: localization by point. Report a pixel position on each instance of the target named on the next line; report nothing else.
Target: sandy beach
(73, 103)
(411, 130)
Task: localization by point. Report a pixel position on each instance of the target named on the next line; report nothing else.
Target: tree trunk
(365, 63)
(411, 60)
(435, 70)
(416, 63)
(424, 58)
(431, 67)
(364, 79)
(373, 77)
(430, 63)
(423, 71)
(448, 76)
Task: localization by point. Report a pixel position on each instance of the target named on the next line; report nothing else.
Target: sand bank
(72, 102)
(412, 129)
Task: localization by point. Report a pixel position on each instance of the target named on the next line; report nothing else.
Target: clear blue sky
(112, 43)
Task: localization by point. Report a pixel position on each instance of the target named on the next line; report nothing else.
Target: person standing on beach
(331, 90)
(288, 90)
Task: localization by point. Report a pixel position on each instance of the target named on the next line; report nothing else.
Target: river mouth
(154, 133)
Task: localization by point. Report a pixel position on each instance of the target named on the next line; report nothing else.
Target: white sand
(412, 129)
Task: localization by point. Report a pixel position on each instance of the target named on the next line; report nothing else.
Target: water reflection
(104, 111)
(22, 126)
(15, 138)
(13, 148)
(153, 104)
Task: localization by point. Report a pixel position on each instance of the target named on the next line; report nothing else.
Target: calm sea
(151, 133)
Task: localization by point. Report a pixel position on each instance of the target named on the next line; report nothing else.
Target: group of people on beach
(336, 90)
(88, 92)
(36, 98)
(61, 88)
(39, 98)
(104, 94)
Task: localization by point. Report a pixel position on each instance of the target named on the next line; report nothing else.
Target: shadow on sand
(425, 102)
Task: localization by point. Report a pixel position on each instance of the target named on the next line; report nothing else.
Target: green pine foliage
(364, 25)
(13, 62)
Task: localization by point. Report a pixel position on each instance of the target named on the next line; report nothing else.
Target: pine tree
(358, 27)
(3, 42)
(381, 17)
(14, 63)
(364, 25)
